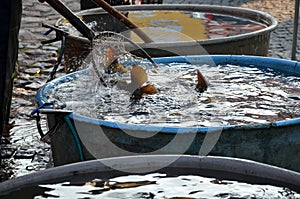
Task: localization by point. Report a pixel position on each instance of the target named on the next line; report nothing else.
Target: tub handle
(61, 113)
(62, 116)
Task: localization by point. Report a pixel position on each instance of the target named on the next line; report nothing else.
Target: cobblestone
(33, 56)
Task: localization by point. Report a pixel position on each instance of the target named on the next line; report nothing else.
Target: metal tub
(253, 43)
(173, 165)
(81, 138)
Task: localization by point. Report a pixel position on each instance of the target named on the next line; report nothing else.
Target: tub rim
(290, 66)
(207, 166)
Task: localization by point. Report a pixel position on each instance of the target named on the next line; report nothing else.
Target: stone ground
(22, 151)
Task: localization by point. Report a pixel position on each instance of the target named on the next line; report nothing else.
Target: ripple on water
(159, 185)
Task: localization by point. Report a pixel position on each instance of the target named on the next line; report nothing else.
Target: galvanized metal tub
(81, 138)
(221, 168)
(253, 43)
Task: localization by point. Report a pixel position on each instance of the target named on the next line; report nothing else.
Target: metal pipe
(61, 8)
(124, 20)
(295, 31)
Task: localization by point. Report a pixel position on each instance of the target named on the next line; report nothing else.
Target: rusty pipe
(124, 20)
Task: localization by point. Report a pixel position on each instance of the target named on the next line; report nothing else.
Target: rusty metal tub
(253, 43)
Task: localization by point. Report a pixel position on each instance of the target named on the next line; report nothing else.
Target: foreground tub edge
(209, 166)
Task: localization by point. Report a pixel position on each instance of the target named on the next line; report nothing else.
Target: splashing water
(236, 95)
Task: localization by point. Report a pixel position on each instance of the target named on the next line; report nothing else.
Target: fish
(138, 75)
(139, 79)
(139, 92)
(112, 64)
(201, 82)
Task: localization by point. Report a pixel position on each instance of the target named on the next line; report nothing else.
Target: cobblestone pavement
(23, 152)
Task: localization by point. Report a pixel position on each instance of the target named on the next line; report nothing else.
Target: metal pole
(122, 18)
(62, 9)
(295, 31)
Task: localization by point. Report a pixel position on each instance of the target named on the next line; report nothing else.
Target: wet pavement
(22, 152)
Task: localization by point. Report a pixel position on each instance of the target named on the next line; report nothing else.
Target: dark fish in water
(147, 89)
(202, 83)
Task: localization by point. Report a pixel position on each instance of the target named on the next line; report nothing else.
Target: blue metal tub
(81, 138)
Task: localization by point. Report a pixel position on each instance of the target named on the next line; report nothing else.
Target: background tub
(213, 167)
(253, 43)
(82, 138)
